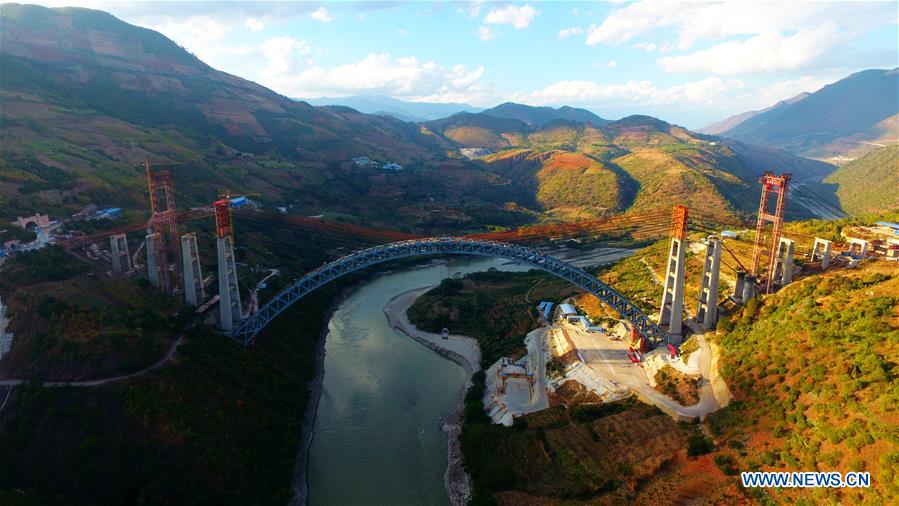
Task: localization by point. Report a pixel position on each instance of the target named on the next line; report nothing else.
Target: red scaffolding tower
(164, 222)
(771, 185)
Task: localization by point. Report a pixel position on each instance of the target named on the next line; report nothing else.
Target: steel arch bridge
(250, 327)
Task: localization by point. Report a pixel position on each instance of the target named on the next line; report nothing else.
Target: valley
(441, 281)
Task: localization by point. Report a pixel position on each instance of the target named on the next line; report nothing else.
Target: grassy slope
(868, 184)
(73, 323)
(813, 372)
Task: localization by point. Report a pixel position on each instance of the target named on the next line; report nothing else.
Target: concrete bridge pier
(153, 273)
(229, 294)
(121, 258)
(671, 313)
(194, 294)
(748, 288)
(707, 308)
(782, 270)
(821, 251)
(738, 287)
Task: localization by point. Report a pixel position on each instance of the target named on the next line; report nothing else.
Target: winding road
(169, 353)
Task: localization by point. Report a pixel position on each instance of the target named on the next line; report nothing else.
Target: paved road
(609, 359)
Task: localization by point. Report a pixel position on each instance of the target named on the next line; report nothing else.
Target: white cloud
(283, 56)
(612, 64)
(767, 52)
(749, 36)
(291, 71)
(646, 46)
(255, 24)
(518, 17)
(321, 14)
(710, 91)
(473, 9)
(569, 32)
(486, 33)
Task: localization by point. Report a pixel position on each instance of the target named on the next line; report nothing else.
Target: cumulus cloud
(768, 52)
(570, 32)
(321, 14)
(290, 70)
(788, 37)
(255, 24)
(486, 33)
(709, 91)
(518, 17)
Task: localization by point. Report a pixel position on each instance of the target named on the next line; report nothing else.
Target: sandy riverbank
(465, 352)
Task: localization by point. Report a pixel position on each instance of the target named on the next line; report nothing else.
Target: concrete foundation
(153, 273)
(671, 314)
(121, 258)
(821, 251)
(229, 293)
(194, 294)
(783, 262)
(707, 308)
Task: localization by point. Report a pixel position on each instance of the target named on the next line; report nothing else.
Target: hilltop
(844, 119)
(637, 163)
(399, 109)
(539, 116)
(86, 97)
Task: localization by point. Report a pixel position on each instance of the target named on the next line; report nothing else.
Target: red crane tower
(771, 185)
(164, 223)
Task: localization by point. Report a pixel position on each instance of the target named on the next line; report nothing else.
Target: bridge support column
(821, 251)
(858, 248)
(748, 288)
(707, 308)
(121, 258)
(738, 287)
(194, 294)
(783, 261)
(229, 293)
(673, 294)
(153, 274)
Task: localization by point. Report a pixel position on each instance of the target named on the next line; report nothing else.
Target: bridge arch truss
(250, 328)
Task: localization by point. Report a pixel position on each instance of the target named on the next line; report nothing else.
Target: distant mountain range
(841, 121)
(731, 122)
(575, 169)
(400, 109)
(539, 116)
(86, 97)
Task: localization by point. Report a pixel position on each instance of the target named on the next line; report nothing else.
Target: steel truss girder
(251, 327)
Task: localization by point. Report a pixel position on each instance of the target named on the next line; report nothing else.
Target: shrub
(699, 445)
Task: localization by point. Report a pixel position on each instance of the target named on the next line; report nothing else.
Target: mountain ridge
(854, 110)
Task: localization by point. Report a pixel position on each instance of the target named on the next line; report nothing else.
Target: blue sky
(689, 63)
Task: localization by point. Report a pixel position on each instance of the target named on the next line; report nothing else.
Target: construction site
(612, 362)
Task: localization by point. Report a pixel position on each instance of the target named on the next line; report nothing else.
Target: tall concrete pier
(121, 258)
(153, 260)
(707, 308)
(194, 294)
(671, 314)
(229, 293)
(230, 313)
